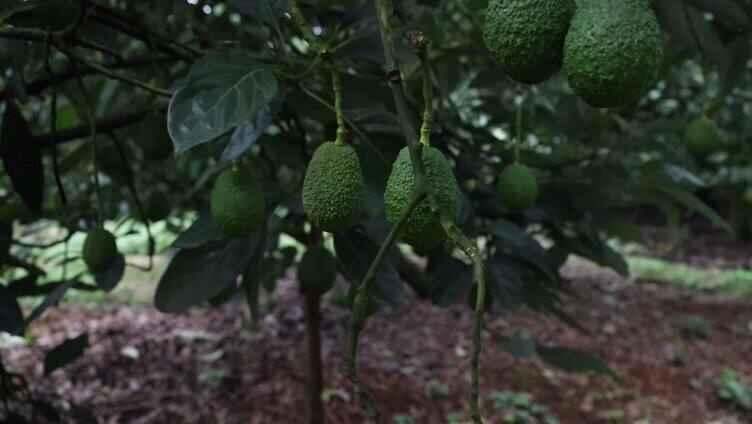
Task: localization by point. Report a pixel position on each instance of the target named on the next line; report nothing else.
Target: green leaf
(622, 229)
(22, 158)
(200, 232)
(222, 91)
(573, 360)
(355, 251)
(245, 136)
(65, 353)
(690, 201)
(514, 242)
(11, 317)
(450, 281)
(197, 275)
(109, 279)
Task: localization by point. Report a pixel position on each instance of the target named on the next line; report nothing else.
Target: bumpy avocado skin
(333, 187)
(613, 51)
(153, 139)
(526, 37)
(99, 250)
(518, 188)
(702, 137)
(237, 202)
(423, 229)
(317, 271)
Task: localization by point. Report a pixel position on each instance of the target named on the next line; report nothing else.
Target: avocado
(99, 250)
(423, 228)
(153, 139)
(702, 137)
(333, 187)
(518, 188)
(526, 37)
(317, 270)
(613, 51)
(237, 202)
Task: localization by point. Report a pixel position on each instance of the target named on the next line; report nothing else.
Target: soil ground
(214, 366)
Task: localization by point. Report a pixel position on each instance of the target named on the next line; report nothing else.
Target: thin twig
(357, 320)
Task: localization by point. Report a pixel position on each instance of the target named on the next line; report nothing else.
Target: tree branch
(104, 126)
(132, 27)
(358, 317)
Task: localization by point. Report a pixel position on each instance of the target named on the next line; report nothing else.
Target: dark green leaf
(11, 317)
(109, 279)
(573, 360)
(222, 91)
(196, 275)
(65, 353)
(200, 232)
(355, 251)
(22, 158)
(245, 136)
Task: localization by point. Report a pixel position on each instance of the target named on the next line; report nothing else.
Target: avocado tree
(495, 139)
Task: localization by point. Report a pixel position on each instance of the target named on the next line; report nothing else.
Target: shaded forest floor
(212, 366)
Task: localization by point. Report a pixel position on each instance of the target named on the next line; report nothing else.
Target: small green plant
(692, 327)
(733, 390)
(435, 389)
(403, 419)
(521, 408)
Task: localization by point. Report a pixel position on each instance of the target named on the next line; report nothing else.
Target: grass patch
(736, 280)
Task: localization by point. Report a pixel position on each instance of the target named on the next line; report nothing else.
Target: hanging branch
(53, 126)
(420, 45)
(131, 182)
(322, 53)
(358, 317)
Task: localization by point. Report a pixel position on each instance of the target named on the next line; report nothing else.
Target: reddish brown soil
(400, 352)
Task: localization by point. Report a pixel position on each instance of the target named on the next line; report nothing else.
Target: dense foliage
(92, 90)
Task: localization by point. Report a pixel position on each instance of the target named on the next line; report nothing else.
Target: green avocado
(99, 250)
(237, 202)
(613, 51)
(153, 139)
(317, 270)
(702, 137)
(526, 37)
(333, 187)
(518, 188)
(423, 229)
(156, 206)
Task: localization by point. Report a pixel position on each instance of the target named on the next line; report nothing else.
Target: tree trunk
(314, 407)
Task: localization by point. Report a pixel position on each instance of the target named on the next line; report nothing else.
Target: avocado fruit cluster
(237, 202)
(610, 50)
(333, 187)
(423, 229)
(526, 37)
(702, 137)
(99, 250)
(517, 188)
(317, 270)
